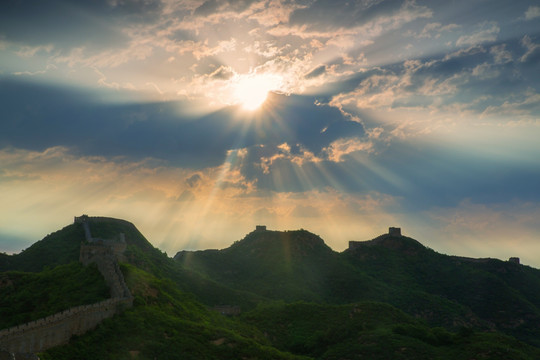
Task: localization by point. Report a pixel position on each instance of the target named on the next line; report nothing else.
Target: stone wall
(57, 329)
(103, 256)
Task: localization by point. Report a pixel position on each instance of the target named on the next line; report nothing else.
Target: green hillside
(28, 296)
(375, 331)
(143, 255)
(60, 247)
(166, 323)
(389, 298)
(494, 293)
(443, 290)
(290, 265)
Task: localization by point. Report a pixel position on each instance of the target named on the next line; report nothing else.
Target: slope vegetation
(447, 291)
(386, 298)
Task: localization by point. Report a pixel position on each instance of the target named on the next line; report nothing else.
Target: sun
(251, 91)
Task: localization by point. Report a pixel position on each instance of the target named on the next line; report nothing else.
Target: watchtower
(514, 260)
(394, 231)
(80, 219)
(260, 228)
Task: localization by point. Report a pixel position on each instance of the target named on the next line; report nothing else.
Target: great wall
(57, 329)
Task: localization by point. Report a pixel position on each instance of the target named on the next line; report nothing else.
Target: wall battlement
(57, 329)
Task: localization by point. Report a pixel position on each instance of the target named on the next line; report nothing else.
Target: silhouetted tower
(394, 231)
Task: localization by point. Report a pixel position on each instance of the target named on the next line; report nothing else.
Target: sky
(197, 120)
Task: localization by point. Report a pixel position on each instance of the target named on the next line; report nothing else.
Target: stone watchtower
(394, 231)
(260, 228)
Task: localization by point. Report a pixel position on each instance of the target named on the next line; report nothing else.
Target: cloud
(206, 8)
(465, 83)
(305, 211)
(487, 33)
(520, 106)
(318, 71)
(29, 51)
(434, 30)
(532, 12)
(264, 215)
(194, 180)
(201, 49)
(186, 195)
(505, 229)
(146, 194)
(39, 117)
(343, 147)
(143, 192)
(395, 107)
(500, 54)
(64, 23)
(532, 55)
(210, 7)
(328, 15)
(222, 73)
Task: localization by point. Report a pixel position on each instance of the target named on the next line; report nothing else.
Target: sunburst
(251, 91)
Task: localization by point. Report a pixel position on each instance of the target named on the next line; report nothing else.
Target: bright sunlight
(251, 91)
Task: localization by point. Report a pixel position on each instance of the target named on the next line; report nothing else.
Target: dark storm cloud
(37, 117)
(68, 23)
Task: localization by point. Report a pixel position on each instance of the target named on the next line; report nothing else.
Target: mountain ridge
(442, 289)
(269, 276)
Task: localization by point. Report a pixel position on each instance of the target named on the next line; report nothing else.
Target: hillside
(495, 294)
(29, 296)
(390, 297)
(60, 247)
(291, 265)
(443, 290)
(166, 323)
(373, 331)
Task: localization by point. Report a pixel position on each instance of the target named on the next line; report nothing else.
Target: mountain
(60, 247)
(28, 296)
(290, 265)
(443, 290)
(494, 294)
(63, 246)
(390, 297)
